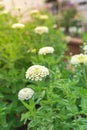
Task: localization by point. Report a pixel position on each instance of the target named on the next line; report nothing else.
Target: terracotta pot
(74, 46)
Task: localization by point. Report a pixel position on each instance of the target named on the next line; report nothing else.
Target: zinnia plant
(37, 89)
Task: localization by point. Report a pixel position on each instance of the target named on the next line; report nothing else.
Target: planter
(74, 46)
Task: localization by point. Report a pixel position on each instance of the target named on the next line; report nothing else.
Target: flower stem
(25, 104)
(85, 76)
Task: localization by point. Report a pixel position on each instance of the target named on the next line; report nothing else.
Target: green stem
(26, 105)
(85, 77)
(41, 39)
(30, 107)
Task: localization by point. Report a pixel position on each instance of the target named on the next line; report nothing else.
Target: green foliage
(66, 17)
(19, 50)
(84, 36)
(59, 100)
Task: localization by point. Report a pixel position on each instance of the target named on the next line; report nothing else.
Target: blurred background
(58, 8)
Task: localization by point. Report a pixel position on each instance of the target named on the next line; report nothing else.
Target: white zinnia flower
(55, 26)
(72, 29)
(46, 50)
(25, 94)
(62, 29)
(43, 17)
(3, 12)
(80, 30)
(78, 59)
(85, 48)
(37, 72)
(34, 12)
(41, 29)
(67, 39)
(18, 25)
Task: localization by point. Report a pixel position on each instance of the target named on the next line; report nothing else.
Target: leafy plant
(19, 50)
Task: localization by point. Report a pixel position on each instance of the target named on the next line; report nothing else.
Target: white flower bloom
(55, 26)
(34, 12)
(72, 29)
(41, 29)
(43, 17)
(80, 30)
(67, 39)
(62, 29)
(74, 60)
(18, 25)
(3, 12)
(37, 72)
(25, 94)
(85, 48)
(78, 59)
(46, 50)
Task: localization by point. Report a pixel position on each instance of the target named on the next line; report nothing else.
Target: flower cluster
(66, 39)
(79, 59)
(85, 48)
(34, 13)
(43, 17)
(18, 25)
(4, 12)
(37, 72)
(80, 30)
(25, 94)
(46, 50)
(75, 30)
(72, 29)
(62, 29)
(41, 29)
